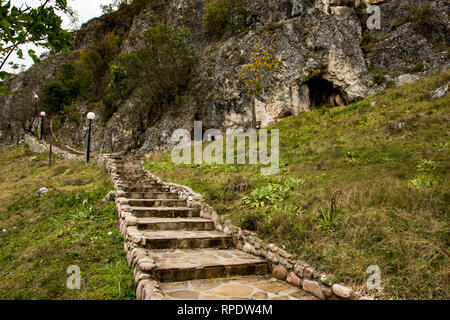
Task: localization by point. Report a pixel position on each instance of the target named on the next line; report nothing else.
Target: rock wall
(318, 42)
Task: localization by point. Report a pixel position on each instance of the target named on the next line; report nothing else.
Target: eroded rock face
(318, 42)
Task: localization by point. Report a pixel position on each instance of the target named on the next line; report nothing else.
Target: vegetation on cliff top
(390, 184)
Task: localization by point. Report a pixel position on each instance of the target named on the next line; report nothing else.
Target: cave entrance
(323, 93)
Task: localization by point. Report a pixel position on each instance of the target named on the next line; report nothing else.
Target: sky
(85, 10)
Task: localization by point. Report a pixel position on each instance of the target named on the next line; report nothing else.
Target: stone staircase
(169, 244)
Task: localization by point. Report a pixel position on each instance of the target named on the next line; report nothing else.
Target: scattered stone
(41, 192)
(110, 196)
(399, 125)
(373, 104)
(439, 92)
(293, 279)
(279, 272)
(406, 78)
(312, 287)
(341, 291)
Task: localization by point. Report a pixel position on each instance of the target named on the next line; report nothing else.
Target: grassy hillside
(390, 185)
(71, 225)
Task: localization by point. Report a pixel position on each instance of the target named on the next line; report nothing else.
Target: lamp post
(42, 124)
(36, 101)
(90, 116)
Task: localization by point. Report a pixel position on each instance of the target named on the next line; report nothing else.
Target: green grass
(68, 226)
(388, 212)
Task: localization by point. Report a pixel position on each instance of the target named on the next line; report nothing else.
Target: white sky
(85, 10)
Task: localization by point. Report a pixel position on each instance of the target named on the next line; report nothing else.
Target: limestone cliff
(327, 55)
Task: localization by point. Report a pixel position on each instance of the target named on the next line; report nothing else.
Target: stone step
(156, 202)
(183, 265)
(165, 212)
(129, 171)
(150, 195)
(130, 176)
(129, 165)
(146, 189)
(186, 239)
(138, 182)
(141, 185)
(234, 288)
(160, 224)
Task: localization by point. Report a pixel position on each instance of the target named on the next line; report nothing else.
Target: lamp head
(36, 97)
(91, 116)
(43, 114)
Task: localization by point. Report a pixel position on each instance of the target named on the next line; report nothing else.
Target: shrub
(225, 15)
(61, 91)
(84, 75)
(367, 43)
(425, 24)
(265, 195)
(427, 177)
(165, 64)
(71, 113)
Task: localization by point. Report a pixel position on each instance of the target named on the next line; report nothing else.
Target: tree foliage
(165, 64)
(84, 76)
(225, 15)
(257, 74)
(114, 5)
(39, 25)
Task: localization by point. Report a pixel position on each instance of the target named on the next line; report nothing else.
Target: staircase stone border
(284, 265)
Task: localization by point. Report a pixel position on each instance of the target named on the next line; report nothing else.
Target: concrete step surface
(182, 265)
(165, 212)
(156, 202)
(160, 224)
(186, 239)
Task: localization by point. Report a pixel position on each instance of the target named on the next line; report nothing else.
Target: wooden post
(50, 156)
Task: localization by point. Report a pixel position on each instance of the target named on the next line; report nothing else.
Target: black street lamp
(90, 116)
(42, 124)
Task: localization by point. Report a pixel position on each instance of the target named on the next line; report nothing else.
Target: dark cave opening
(323, 93)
